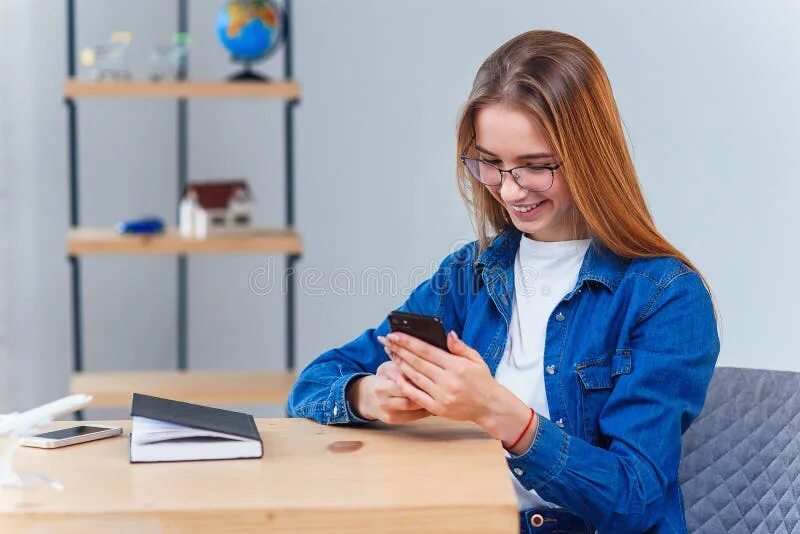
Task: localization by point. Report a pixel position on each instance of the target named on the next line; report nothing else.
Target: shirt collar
(600, 263)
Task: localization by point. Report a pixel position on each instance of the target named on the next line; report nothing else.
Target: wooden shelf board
(96, 241)
(73, 88)
(115, 389)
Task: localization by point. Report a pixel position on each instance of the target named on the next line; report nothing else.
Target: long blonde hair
(559, 80)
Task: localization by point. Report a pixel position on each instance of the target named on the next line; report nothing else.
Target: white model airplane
(24, 423)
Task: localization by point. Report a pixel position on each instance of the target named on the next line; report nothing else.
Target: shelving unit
(200, 387)
(97, 241)
(114, 389)
(177, 89)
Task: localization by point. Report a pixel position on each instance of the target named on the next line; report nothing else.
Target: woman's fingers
(420, 397)
(388, 370)
(459, 348)
(423, 367)
(403, 404)
(390, 395)
(391, 406)
(400, 417)
(425, 351)
(391, 371)
(418, 380)
(387, 387)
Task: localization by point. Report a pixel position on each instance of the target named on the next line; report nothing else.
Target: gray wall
(5, 360)
(707, 93)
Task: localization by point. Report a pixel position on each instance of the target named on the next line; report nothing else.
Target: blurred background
(707, 92)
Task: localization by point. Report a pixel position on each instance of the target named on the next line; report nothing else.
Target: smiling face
(508, 137)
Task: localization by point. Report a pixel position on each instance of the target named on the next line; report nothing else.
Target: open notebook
(167, 431)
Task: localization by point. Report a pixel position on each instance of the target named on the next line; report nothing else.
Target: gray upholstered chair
(740, 471)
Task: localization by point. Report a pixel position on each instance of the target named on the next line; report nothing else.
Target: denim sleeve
(674, 349)
(319, 392)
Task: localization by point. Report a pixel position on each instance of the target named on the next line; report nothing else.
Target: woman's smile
(527, 211)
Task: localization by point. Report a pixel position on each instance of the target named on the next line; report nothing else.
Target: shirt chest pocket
(597, 377)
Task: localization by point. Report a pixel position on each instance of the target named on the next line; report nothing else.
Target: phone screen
(71, 432)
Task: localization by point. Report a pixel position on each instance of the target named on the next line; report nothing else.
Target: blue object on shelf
(145, 225)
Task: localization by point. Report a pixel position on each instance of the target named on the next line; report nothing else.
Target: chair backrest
(740, 467)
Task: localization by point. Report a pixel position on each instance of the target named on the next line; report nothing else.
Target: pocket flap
(597, 373)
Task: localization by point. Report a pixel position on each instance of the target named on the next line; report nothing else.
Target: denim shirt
(628, 356)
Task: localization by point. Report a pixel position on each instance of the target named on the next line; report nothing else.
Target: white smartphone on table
(70, 436)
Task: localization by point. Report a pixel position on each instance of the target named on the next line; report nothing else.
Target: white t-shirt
(544, 271)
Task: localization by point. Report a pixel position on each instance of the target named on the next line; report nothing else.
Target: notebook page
(146, 430)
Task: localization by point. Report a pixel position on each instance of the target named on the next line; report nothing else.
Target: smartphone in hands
(425, 327)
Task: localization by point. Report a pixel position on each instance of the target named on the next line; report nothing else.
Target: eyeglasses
(532, 177)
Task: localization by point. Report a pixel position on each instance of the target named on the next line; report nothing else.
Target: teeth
(524, 209)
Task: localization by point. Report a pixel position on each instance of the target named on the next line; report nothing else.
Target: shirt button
(335, 410)
(537, 520)
(518, 471)
(551, 369)
(560, 422)
(560, 317)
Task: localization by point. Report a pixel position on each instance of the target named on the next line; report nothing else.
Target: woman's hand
(378, 397)
(456, 384)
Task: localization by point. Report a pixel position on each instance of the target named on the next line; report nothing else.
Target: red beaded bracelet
(527, 425)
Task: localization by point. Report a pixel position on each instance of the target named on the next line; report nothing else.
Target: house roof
(216, 194)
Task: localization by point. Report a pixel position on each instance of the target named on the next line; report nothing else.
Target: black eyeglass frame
(552, 167)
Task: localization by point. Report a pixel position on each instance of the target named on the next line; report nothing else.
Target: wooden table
(430, 476)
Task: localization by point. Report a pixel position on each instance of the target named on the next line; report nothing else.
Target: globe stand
(249, 75)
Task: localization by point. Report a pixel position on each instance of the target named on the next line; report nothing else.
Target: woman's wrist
(506, 417)
(356, 396)
(524, 440)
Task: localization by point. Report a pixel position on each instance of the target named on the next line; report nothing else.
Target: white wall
(34, 212)
(5, 275)
(707, 92)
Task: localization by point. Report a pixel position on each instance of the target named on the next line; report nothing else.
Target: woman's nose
(510, 190)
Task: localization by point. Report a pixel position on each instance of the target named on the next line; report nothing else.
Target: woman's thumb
(457, 346)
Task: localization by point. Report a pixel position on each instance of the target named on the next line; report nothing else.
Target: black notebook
(170, 431)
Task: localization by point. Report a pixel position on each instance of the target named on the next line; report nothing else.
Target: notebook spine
(254, 427)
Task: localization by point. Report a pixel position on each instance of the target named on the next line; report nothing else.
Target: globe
(250, 30)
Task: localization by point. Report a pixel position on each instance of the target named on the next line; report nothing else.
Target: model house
(213, 208)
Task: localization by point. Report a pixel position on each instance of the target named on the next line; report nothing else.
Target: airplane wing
(42, 415)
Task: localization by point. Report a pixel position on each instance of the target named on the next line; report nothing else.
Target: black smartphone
(425, 327)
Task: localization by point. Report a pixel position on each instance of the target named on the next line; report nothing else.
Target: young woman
(578, 336)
